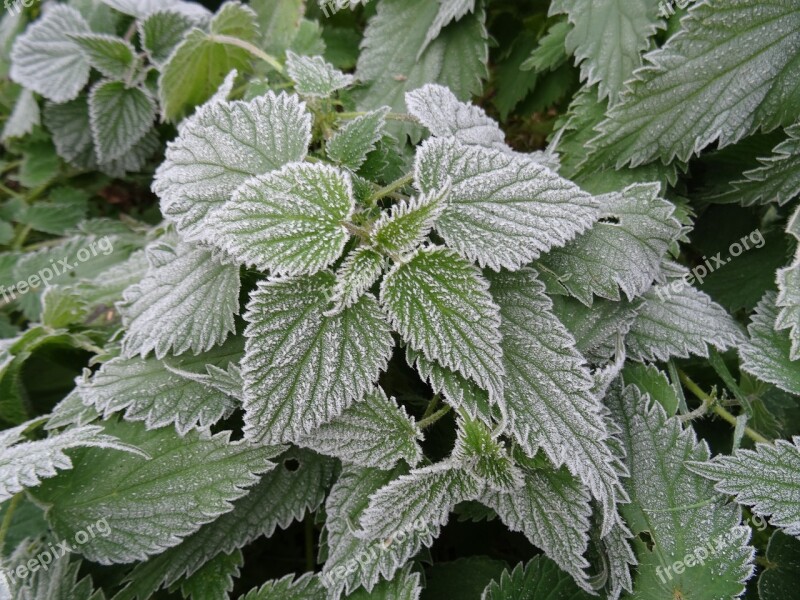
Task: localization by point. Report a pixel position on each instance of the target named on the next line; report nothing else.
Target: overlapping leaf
(314, 77)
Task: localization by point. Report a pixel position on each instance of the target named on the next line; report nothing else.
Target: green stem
(19, 239)
(357, 231)
(391, 188)
(10, 192)
(718, 410)
(12, 506)
(254, 50)
(431, 406)
(716, 360)
(428, 421)
(389, 116)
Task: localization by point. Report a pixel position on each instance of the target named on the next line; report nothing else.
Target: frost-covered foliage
(288, 309)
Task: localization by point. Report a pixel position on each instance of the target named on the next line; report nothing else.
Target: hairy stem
(6, 525)
(252, 49)
(389, 116)
(391, 188)
(430, 420)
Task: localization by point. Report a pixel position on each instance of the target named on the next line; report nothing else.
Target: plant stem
(391, 188)
(389, 116)
(431, 406)
(430, 420)
(357, 231)
(254, 50)
(718, 410)
(12, 506)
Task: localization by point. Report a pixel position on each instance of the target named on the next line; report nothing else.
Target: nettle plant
(366, 312)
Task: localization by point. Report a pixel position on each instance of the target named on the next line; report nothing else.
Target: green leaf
(440, 304)
(47, 60)
(40, 165)
(63, 210)
(186, 301)
(406, 586)
(198, 65)
(540, 578)
(305, 587)
(25, 464)
(623, 250)
(465, 577)
(72, 134)
(350, 144)
(302, 368)
(408, 223)
(551, 52)
(374, 432)
(160, 32)
(504, 210)
(288, 222)
(280, 498)
(315, 78)
(779, 579)
(548, 390)
(608, 39)
(764, 478)
(119, 117)
(214, 580)
(478, 452)
(778, 177)
(142, 8)
(358, 272)
(391, 64)
(178, 392)
(23, 118)
(552, 509)
(690, 526)
(354, 561)
(150, 505)
(788, 300)
(767, 354)
(58, 581)
(730, 70)
(62, 307)
(278, 23)
(449, 11)
(221, 146)
(653, 382)
(71, 411)
(114, 57)
(678, 320)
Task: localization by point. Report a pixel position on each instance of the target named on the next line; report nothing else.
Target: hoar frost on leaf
(358, 272)
(788, 300)
(314, 77)
(406, 225)
(288, 222)
(186, 301)
(302, 368)
(440, 304)
(221, 146)
(504, 211)
(355, 139)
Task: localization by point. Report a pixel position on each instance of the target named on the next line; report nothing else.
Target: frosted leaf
(764, 479)
(221, 146)
(301, 368)
(449, 10)
(350, 145)
(305, 587)
(358, 272)
(62, 306)
(405, 586)
(314, 77)
(71, 411)
(621, 559)
(72, 135)
(214, 579)
(289, 222)
(119, 117)
(440, 304)
(678, 323)
(408, 223)
(623, 250)
(548, 390)
(788, 300)
(729, 70)
(225, 89)
(766, 354)
(424, 496)
(114, 57)
(150, 504)
(539, 576)
(354, 561)
(778, 177)
(373, 432)
(608, 38)
(679, 510)
(186, 301)
(280, 498)
(23, 118)
(504, 211)
(25, 464)
(57, 581)
(552, 509)
(160, 32)
(652, 381)
(144, 8)
(150, 390)
(46, 60)
(485, 457)
(597, 329)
